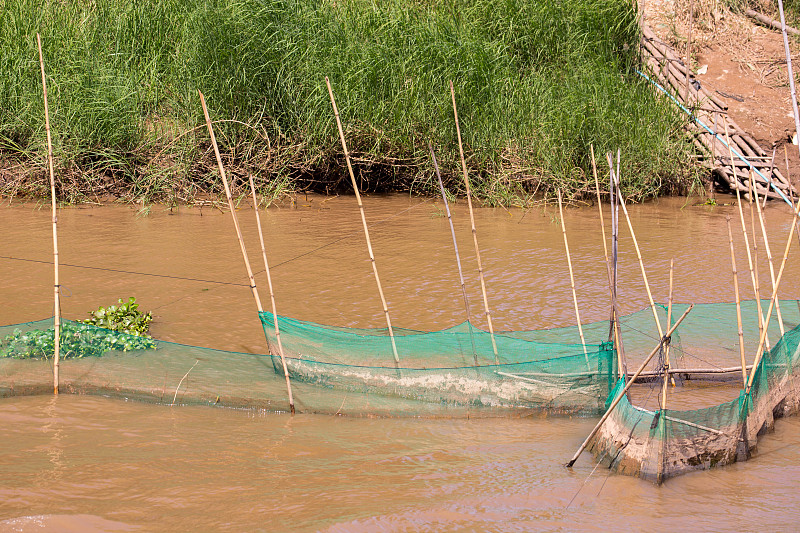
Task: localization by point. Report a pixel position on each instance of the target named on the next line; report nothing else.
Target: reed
(271, 296)
(56, 285)
(364, 223)
(738, 302)
(455, 248)
(472, 224)
(540, 81)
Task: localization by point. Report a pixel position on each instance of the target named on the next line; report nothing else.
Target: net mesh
(656, 444)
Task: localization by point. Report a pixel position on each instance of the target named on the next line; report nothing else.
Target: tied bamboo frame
(56, 285)
(768, 251)
(224, 177)
(363, 222)
(472, 222)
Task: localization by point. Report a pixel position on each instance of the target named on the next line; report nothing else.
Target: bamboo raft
(728, 174)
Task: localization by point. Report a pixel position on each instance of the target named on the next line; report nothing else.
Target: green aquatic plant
(77, 340)
(119, 328)
(124, 317)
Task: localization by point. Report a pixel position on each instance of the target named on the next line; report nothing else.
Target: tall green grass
(537, 82)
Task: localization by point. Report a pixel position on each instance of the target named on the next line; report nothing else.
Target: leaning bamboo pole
(792, 89)
(738, 302)
(762, 338)
(769, 258)
(472, 222)
(664, 339)
(614, 325)
(756, 274)
(689, 52)
(250, 276)
(56, 285)
(641, 264)
(455, 247)
(572, 279)
(746, 242)
(364, 223)
(271, 296)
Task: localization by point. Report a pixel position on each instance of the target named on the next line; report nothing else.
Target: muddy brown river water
(82, 463)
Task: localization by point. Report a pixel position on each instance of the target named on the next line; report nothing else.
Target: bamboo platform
(671, 73)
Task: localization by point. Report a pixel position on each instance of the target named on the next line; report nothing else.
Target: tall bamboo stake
(754, 192)
(763, 336)
(792, 90)
(746, 240)
(667, 375)
(271, 296)
(624, 391)
(572, 278)
(455, 247)
(472, 222)
(56, 285)
(641, 264)
(364, 223)
(738, 302)
(614, 325)
(250, 276)
(614, 185)
(756, 274)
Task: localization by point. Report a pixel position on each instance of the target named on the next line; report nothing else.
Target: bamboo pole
(641, 264)
(689, 50)
(762, 337)
(619, 397)
(271, 296)
(614, 184)
(769, 257)
(364, 223)
(572, 279)
(56, 285)
(472, 222)
(250, 276)
(738, 302)
(455, 247)
(792, 89)
(613, 326)
(747, 243)
(756, 273)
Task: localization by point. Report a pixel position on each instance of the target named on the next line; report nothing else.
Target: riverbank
(537, 83)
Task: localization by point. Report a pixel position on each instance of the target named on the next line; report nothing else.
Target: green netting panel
(439, 367)
(658, 445)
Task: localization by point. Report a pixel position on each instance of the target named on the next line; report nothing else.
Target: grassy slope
(536, 82)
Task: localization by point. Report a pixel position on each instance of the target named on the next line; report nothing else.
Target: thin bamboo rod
(762, 338)
(614, 326)
(271, 296)
(667, 375)
(56, 285)
(572, 278)
(230, 203)
(738, 302)
(614, 184)
(769, 258)
(641, 264)
(472, 222)
(627, 386)
(364, 223)
(792, 89)
(756, 273)
(689, 51)
(455, 247)
(746, 243)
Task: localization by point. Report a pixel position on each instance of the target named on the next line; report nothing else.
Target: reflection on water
(75, 459)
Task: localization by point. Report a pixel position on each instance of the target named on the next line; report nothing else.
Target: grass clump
(537, 81)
